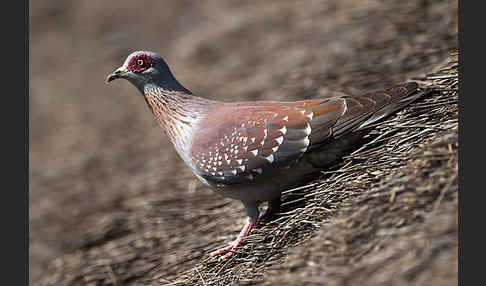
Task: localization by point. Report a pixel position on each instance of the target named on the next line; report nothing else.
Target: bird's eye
(140, 62)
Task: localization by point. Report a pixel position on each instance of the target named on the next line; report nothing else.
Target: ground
(112, 204)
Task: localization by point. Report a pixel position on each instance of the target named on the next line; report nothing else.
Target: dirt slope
(111, 203)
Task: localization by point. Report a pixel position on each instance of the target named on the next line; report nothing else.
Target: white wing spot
(279, 140)
(255, 152)
(283, 130)
(242, 168)
(308, 129)
(269, 158)
(286, 118)
(306, 141)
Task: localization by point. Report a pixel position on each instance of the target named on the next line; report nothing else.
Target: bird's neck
(178, 112)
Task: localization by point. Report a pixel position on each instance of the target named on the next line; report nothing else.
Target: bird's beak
(119, 73)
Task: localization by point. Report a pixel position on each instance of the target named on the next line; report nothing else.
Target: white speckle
(262, 143)
(259, 171)
(252, 140)
(265, 132)
(213, 174)
(236, 151)
(220, 173)
(279, 140)
(204, 161)
(215, 163)
(269, 158)
(244, 139)
(274, 149)
(220, 163)
(226, 156)
(228, 162)
(250, 177)
(308, 129)
(286, 118)
(306, 141)
(220, 157)
(242, 168)
(255, 152)
(283, 130)
(245, 148)
(234, 172)
(239, 161)
(310, 115)
(242, 124)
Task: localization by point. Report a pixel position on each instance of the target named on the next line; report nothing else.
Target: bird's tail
(366, 109)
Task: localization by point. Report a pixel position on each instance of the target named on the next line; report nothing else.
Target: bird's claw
(228, 250)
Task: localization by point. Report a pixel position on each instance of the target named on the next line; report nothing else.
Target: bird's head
(142, 68)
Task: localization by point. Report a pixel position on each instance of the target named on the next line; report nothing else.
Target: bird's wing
(238, 142)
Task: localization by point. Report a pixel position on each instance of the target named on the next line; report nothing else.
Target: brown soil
(112, 204)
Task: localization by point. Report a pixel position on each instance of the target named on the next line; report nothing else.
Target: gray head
(145, 68)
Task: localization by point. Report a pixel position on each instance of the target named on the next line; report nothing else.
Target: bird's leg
(252, 213)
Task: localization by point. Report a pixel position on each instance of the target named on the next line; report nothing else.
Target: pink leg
(243, 233)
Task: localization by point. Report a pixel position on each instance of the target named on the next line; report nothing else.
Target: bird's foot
(228, 250)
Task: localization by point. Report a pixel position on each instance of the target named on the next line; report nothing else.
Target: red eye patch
(141, 62)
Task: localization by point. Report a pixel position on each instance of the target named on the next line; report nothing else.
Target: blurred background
(100, 167)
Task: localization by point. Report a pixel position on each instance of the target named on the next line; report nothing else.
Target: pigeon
(251, 151)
